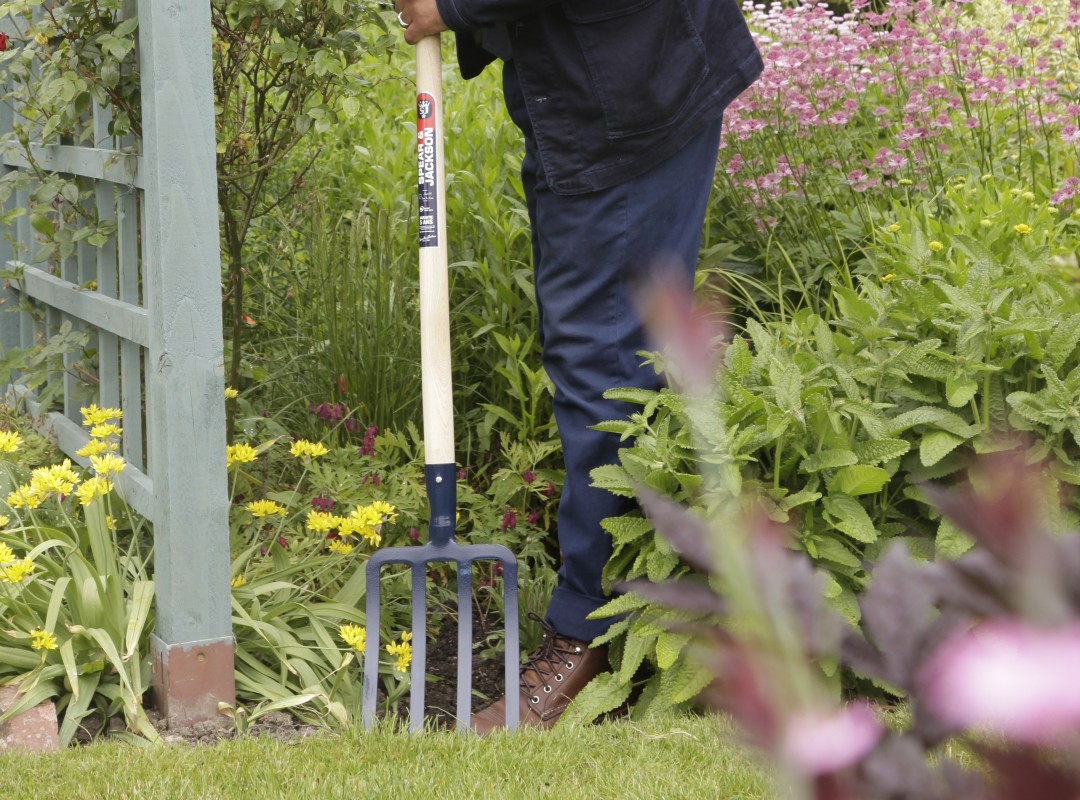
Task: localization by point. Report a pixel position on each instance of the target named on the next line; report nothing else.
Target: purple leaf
(686, 532)
(685, 595)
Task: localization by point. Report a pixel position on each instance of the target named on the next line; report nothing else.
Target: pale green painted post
(193, 644)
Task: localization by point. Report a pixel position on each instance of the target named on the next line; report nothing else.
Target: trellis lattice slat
(149, 297)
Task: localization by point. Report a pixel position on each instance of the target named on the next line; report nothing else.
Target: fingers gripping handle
(434, 279)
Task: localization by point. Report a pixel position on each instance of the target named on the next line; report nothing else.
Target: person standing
(620, 103)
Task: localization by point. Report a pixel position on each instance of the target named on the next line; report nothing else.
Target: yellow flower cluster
(93, 488)
(1023, 229)
(238, 581)
(364, 521)
(302, 447)
(936, 246)
(42, 640)
(340, 546)
(108, 464)
(265, 508)
(231, 393)
(44, 481)
(354, 636)
(14, 570)
(93, 416)
(10, 441)
(403, 651)
(4, 520)
(240, 454)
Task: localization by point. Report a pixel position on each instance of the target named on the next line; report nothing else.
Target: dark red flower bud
(3, 42)
(528, 476)
(533, 517)
(549, 490)
(509, 521)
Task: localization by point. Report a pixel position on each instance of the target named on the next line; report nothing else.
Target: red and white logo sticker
(427, 129)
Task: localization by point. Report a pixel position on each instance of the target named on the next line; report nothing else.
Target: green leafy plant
(75, 588)
(960, 339)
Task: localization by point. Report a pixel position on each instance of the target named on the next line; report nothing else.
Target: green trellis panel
(154, 311)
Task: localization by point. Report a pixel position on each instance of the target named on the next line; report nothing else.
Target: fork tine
(465, 636)
(511, 655)
(371, 647)
(419, 647)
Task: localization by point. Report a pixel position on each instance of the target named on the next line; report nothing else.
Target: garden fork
(440, 471)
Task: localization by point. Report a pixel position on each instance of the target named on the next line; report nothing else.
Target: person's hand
(422, 17)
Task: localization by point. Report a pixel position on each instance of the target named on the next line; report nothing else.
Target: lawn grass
(677, 758)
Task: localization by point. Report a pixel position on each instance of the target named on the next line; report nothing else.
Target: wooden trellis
(151, 297)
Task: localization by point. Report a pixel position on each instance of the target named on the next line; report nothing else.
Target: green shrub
(960, 338)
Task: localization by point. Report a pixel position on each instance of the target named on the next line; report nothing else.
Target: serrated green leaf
(738, 357)
(849, 517)
(614, 478)
(669, 646)
(799, 498)
(935, 445)
(859, 479)
(1063, 340)
(932, 415)
(879, 451)
(626, 529)
(632, 394)
(634, 651)
(959, 389)
(604, 693)
(661, 564)
(828, 459)
(832, 550)
(619, 605)
(951, 542)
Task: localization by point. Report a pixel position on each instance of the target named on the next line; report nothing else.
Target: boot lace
(548, 661)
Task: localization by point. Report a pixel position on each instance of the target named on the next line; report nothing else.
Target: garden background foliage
(893, 236)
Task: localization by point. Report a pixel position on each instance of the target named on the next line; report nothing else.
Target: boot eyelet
(535, 699)
(547, 690)
(558, 678)
(569, 664)
(577, 649)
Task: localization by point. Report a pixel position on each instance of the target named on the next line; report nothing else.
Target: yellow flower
(24, 497)
(4, 521)
(92, 488)
(403, 651)
(59, 479)
(363, 521)
(41, 39)
(321, 522)
(894, 228)
(92, 415)
(238, 581)
(936, 246)
(110, 522)
(108, 464)
(354, 636)
(1023, 229)
(42, 640)
(6, 554)
(386, 512)
(95, 447)
(240, 454)
(340, 547)
(16, 571)
(265, 508)
(302, 447)
(904, 182)
(10, 441)
(231, 393)
(887, 278)
(104, 430)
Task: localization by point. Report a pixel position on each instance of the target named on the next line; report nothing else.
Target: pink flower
(818, 744)
(1009, 677)
(509, 521)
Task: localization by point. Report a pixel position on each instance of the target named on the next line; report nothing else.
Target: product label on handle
(427, 168)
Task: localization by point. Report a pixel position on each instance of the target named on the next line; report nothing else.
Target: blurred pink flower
(1009, 677)
(817, 744)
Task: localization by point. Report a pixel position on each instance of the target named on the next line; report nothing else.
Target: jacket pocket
(645, 58)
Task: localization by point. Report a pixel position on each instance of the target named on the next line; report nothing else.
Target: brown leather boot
(551, 677)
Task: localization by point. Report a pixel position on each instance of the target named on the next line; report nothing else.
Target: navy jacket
(613, 87)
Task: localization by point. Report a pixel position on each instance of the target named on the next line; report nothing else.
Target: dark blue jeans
(590, 253)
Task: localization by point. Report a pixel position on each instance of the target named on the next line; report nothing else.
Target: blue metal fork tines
(441, 548)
